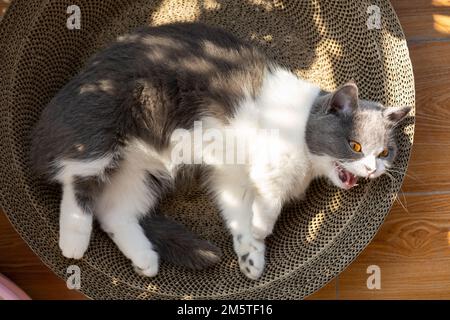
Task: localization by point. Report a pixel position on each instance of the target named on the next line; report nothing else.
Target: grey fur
(339, 117)
(177, 245)
(86, 190)
(146, 85)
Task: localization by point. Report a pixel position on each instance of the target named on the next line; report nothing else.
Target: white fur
(70, 168)
(126, 199)
(250, 194)
(370, 166)
(75, 226)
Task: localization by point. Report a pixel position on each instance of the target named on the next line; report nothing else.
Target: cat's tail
(176, 244)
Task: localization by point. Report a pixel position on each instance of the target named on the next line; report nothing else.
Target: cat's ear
(394, 115)
(344, 100)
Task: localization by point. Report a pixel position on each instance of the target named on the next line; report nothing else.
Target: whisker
(404, 198)
(396, 170)
(393, 180)
(404, 173)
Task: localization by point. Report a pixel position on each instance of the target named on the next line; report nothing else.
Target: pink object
(9, 291)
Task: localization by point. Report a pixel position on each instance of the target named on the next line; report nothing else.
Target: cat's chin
(343, 178)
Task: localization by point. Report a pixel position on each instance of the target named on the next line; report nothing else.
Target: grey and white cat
(106, 137)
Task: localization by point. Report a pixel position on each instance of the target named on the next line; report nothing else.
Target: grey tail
(177, 245)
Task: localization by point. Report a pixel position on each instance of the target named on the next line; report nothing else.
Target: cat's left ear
(396, 114)
(344, 100)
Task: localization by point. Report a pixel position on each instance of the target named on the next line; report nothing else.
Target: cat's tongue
(348, 178)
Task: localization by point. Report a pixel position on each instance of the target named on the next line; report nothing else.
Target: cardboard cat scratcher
(328, 42)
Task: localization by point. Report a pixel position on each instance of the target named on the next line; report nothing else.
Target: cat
(107, 138)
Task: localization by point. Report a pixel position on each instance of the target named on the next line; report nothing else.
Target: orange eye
(355, 146)
(384, 153)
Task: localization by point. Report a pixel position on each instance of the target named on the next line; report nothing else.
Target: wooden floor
(413, 247)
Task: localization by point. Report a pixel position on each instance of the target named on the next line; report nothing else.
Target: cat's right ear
(344, 100)
(393, 115)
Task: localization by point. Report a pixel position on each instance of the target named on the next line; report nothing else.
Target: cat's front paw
(250, 253)
(73, 243)
(146, 263)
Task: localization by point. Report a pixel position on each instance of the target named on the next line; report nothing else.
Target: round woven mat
(327, 42)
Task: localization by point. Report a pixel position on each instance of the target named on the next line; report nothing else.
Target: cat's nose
(370, 170)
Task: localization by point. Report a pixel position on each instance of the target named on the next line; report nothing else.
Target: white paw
(250, 253)
(263, 219)
(147, 263)
(73, 244)
(261, 232)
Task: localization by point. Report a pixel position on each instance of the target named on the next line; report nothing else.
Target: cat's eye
(355, 146)
(384, 153)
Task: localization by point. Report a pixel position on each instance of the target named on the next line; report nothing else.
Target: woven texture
(325, 41)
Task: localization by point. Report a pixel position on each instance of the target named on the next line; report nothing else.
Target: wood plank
(22, 266)
(428, 169)
(412, 250)
(424, 20)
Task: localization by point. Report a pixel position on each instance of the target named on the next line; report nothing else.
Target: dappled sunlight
(327, 52)
(169, 11)
(335, 202)
(215, 51)
(324, 63)
(211, 5)
(314, 226)
(267, 5)
(266, 40)
(144, 296)
(441, 23)
(103, 85)
(441, 16)
(115, 281)
(441, 3)
(198, 64)
(152, 287)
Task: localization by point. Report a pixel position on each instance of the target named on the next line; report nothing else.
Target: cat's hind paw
(261, 232)
(147, 263)
(251, 257)
(73, 244)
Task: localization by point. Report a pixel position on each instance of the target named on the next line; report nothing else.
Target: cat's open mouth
(347, 178)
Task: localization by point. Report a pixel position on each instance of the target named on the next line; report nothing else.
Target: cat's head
(350, 138)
